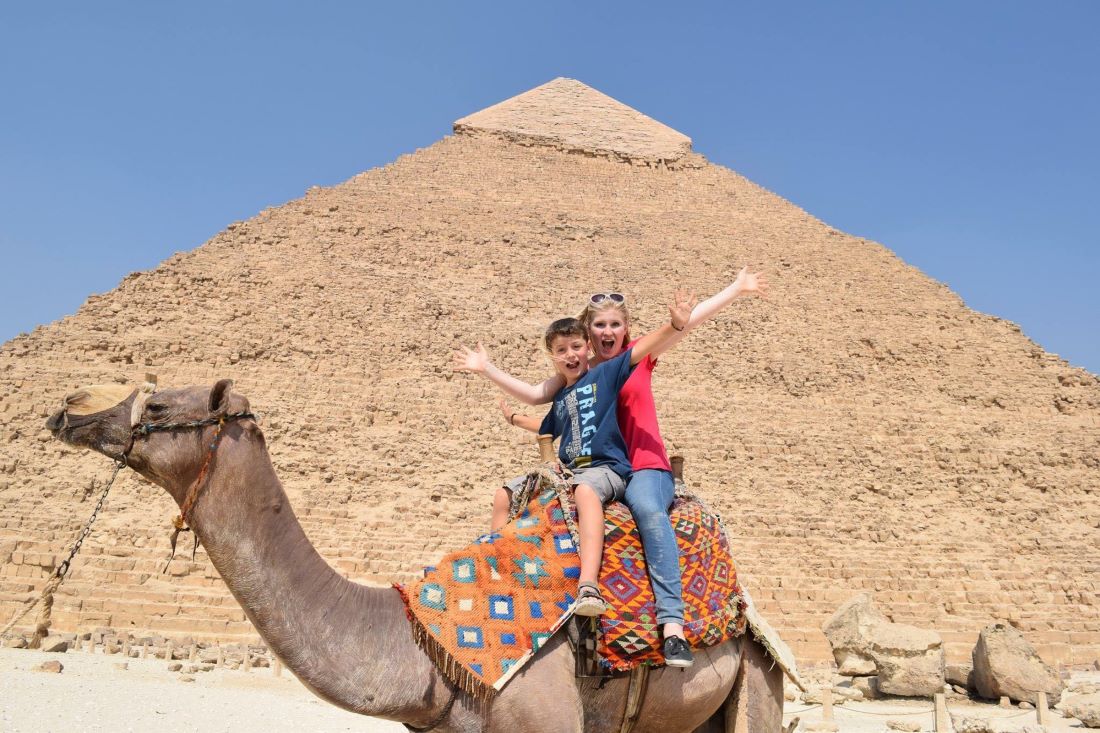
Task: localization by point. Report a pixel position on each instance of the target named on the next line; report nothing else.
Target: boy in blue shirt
(584, 416)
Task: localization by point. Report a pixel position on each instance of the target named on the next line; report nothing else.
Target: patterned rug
(485, 610)
(713, 602)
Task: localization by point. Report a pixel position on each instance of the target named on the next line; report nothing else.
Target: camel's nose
(53, 424)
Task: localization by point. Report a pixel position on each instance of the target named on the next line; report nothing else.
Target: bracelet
(681, 328)
(512, 419)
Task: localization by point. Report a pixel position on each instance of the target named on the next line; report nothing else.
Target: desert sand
(93, 693)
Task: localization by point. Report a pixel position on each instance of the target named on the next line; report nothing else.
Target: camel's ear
(219, 397)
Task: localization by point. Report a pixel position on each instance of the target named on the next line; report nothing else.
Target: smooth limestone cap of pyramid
(574, 117)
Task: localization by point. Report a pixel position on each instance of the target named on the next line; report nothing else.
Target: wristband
(681, 328)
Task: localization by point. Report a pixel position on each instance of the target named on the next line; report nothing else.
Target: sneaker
(589, 602)
(677, 653)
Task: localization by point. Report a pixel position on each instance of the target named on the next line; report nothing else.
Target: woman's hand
(751, 283)
(679, 308)
(509, 413)
(475, 362)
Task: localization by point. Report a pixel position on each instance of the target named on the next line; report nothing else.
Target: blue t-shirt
(584, 417)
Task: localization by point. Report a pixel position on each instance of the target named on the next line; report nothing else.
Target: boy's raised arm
(477, 362)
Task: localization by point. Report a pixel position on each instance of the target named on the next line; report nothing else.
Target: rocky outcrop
(1005, 664)
(906, 660)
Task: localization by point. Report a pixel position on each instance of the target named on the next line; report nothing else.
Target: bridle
(139, 430)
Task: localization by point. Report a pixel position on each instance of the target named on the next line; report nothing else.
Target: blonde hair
(592, 309)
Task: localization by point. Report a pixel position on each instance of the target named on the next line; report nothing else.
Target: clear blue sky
(962, 135)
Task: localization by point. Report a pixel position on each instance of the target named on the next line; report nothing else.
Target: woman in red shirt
(650, 491)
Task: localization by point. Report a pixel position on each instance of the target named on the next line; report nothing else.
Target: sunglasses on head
(617, 298)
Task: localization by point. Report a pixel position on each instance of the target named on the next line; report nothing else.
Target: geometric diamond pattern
(713, 607)
(488, 607)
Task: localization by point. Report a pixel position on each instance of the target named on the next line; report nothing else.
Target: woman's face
(607, 332)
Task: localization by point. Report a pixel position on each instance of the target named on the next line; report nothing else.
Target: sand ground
(94, 694)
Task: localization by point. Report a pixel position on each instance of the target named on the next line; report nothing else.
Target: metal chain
(62, 570)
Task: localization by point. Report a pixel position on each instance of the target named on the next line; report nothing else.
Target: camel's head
(128, 424)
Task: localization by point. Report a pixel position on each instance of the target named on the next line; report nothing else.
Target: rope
(42, 622)
(840, 706)
(872, 712)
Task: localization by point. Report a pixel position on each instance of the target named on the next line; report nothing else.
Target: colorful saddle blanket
(713, 601)
(484, 611)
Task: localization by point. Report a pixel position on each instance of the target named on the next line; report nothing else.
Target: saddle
(484, 611)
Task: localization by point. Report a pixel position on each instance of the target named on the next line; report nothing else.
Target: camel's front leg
(543, 698)
(756, 703)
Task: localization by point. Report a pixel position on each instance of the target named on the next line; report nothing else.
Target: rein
(182, 521)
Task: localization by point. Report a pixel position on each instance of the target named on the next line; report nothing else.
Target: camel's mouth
(95, 418)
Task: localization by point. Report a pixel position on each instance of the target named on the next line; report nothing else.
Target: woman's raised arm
(686, 315)
(747, 283)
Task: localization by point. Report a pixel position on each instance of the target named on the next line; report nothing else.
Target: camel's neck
(349, 643)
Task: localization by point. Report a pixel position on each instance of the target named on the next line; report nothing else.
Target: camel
(351, 644)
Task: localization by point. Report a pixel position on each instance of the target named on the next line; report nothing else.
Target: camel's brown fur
(351, 644)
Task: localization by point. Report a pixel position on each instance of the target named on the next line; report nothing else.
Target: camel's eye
(155, 408)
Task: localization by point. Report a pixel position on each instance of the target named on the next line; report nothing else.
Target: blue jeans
(649, 496)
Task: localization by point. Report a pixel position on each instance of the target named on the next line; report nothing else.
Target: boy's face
(570, 355)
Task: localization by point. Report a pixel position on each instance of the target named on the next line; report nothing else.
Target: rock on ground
(1085, 708)
(849, 630)
(907, 661)
(963, 724)
(907, 725)
(959, 674)
(1005, 664)
(868, 686)
(55, 644)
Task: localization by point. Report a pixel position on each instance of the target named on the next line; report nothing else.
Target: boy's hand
(475, 362)
(680, 307)
(751, 283)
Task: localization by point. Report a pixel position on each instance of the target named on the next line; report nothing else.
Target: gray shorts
(516, 484)
(608, 485)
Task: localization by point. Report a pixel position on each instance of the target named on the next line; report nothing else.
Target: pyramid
(860, 430)
(573, 117)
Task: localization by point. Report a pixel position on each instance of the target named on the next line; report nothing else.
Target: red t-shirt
(638, 419)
